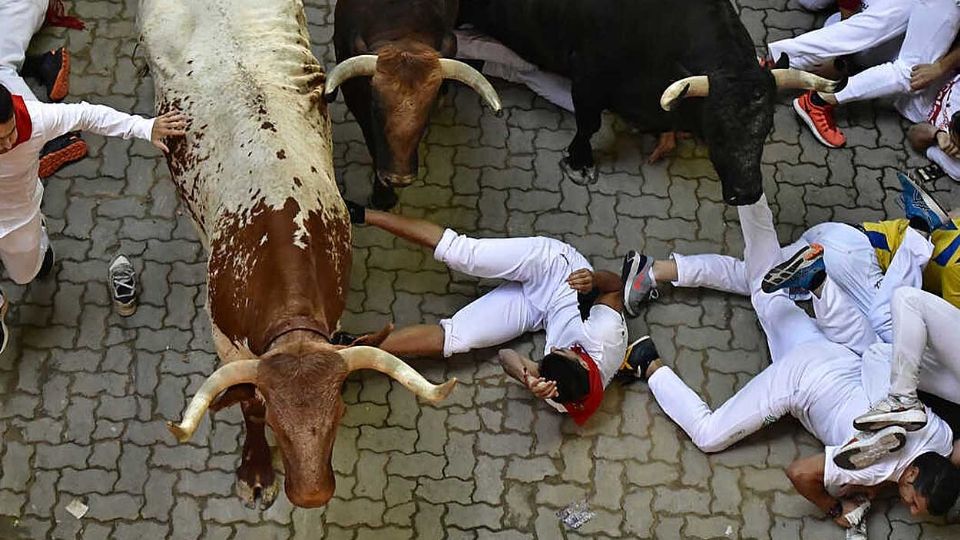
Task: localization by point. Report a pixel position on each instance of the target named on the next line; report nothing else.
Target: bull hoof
(256, 494)
(585, 176)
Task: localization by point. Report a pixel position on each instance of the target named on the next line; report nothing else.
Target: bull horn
(227, 375)
(796, 79)
(696, 86)
(363, 65)
(397, 369)
(458, 71)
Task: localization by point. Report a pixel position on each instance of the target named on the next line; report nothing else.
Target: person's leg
(931, 29)
(21, 20)
(22, 250)
(881, 21)
(762, 401)
(922, 319)
(419, 340)
(850, 261)
(719, 272)
(905, 270)
(950, 165)
(419, 231)
(839, 318)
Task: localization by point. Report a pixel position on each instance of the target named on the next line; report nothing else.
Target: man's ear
(911, 474)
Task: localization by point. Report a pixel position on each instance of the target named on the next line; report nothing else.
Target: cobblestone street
(84, 393)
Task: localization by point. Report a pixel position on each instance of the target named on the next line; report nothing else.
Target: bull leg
(578, 164)
(255, 477)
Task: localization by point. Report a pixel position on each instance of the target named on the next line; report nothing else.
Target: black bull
(622, 54)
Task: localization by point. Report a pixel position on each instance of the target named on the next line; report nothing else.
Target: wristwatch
(836, 510)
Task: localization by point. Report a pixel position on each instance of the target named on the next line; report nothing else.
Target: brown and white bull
(256, 173)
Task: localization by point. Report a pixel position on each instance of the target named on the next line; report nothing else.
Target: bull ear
(235, 394)
(783, 62)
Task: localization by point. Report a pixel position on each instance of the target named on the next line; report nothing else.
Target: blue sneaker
(638, 285)
(918, 204)
(805, 270)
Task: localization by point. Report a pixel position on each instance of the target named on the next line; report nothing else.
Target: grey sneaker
(893, 411)
(123, 286)
(866, 448)
(638, 285)
(4, 333)
(857, 518)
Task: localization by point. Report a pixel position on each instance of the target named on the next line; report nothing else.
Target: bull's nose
(310, 498)
(396, 180)
(744, 198)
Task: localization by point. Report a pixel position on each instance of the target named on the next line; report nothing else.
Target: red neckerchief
(582, 410)
(22, 117)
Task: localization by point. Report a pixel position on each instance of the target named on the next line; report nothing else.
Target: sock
(358, 213)
(817, 280)
(817, 100)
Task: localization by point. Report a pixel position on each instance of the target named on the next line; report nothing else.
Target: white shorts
(22, 250)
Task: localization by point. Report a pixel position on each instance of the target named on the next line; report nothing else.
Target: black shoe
(4, 333)
(358, 213)
(343, 338)
(928, 174)
(636, 360)
(49, 258)
(61, 152)
(52, 69)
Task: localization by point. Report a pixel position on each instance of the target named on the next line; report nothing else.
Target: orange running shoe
(819, 118)
(60, 152)
(52, 69)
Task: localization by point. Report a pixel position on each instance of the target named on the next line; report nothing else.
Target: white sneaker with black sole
(123, 286)
(865, 449)
(893, 410)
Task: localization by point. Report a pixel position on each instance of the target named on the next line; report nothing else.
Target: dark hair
(955, 124)
(6, 104)
(938, 481)
(573, 381)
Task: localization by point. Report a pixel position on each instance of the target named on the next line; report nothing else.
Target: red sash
(582, 410)
(22, 118)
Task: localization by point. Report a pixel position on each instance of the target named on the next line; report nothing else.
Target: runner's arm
(606, 283)
(806, 474)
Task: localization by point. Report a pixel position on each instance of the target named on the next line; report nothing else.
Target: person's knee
(710, 443)
(908, 296)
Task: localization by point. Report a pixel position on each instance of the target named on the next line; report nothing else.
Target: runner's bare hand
(581, 280)
(540, 387)
(666, 144)
(947, 144)
(923, 75)
(169, 124)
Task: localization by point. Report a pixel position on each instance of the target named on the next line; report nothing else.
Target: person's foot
(805, 270)
(928, 173)
(638, 283)
(52, 69)
(4, 333)
(640, 354)
(865, 449)
(123, 285)
(923, 211)
(61, 152)
(46, 267)
(857, 518)
(819, 118)
(909, 414)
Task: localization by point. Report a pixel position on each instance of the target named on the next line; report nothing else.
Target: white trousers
(931, 29)
(503, 63)
(535, 269)
(773, 392)
(21, 20)
(22, 250)
(926, 345)
(950, 165)
(879, 22)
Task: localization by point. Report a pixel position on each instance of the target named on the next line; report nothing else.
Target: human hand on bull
(169, 124)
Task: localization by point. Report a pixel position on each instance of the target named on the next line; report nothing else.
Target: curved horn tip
(181, 434)
(442, 391)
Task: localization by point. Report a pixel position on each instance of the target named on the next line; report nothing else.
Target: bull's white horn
(363, 65)
(458, 71)
(788, 79)
(384, 362)
(236, 372)
(696, 86)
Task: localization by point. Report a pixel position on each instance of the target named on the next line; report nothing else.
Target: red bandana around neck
(22, 118)
(582, 410)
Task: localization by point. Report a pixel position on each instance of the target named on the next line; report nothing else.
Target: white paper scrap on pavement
(77, 509)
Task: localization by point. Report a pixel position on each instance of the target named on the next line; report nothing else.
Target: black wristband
(836, 510)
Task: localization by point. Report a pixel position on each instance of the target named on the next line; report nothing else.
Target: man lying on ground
(548, 286)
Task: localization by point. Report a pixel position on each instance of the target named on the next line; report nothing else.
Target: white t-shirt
(945, 104)
(874, 383)
(20, 188)
(603, 335)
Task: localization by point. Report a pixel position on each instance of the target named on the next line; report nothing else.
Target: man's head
(8, 124)
(930, 485)
(569, 371)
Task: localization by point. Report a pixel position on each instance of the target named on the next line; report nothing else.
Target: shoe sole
(780, 273)
(631, 263)
(3, 324)
(877, 422)
(927, 199)
(809, 122)
(125, 310)
(54, 161)
(862, 454)
(61, 85)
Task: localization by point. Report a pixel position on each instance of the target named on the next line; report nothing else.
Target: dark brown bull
(393, 57)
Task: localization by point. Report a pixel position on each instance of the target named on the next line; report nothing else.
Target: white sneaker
(893, 411)
(857, 518)
(865, 449)
(123, 286)
(4, 333)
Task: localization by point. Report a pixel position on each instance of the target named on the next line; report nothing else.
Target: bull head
(737, 116)
(301, 392)
(405, 81)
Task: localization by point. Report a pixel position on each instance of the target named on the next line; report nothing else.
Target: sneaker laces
(124, 281)
(822, 115)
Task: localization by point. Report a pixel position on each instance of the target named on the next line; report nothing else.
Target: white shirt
(20, 187)
(847, 389)
(603, 335)
(945, 105)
